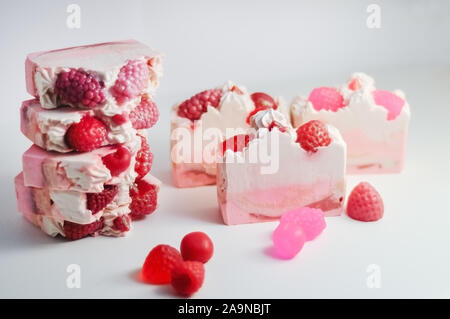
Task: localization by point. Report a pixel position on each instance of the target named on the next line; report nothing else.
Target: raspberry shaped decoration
(288, 240)
(95, 202)
(145, 115)
(75, 231)
(122, 223)
(312, 135)
(354, 84)
(198, 104)
(197, 246)
(144, 199)
(118, 161)
(263, 101)
(119, 119)
(159, 263)
(86, 135)
(391, 102)
(365, 203)
(326, 98)
(144, 159)
(236, 143)
(188, 277)
(311, 220)
(78, 87)
(132, 79)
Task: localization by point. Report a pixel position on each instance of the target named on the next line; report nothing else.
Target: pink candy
(389, 101)
(295, 228)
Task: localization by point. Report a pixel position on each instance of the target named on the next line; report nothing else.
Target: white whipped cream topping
(108, 219)
(264, 118)
(51, 226)
(361, 113)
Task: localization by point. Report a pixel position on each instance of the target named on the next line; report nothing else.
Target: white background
(283, 48)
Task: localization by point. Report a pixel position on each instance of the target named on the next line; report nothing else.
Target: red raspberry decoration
(326, 98)
(79, 87)
(118, 161)
(95, 202)
(188, 277)
(236, 143)
(365, 203)
(144, 159)
(312, 135)
(159, 263)
(132, 79)
(144, 199)
(145, 115)
(197, 246)
(263, 101)
(75, 231)
(354, 84)
(198, 104)
(122, 223)
(86, 135)
(119, 119)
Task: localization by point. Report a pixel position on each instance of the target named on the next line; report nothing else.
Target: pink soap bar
(83, 172)
(118, 72)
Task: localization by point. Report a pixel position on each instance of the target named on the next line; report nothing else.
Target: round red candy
(197, 246)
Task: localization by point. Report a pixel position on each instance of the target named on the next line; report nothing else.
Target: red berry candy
(312, 135)
(365, 203)
(159, 263)
(188, 277)
(86, 135)
(198, 104)
(236, 143)
(197, 246)
(118, 161)
(95, 202)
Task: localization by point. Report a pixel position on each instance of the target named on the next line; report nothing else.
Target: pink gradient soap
(281, 169)
(374, 123)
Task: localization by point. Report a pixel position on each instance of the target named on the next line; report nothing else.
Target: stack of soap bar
(88, 170)
(373, 122)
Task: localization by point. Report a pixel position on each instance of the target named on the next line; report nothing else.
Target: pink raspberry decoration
(365, 203)
(145, 115)
(78, 87)
(312, 135)
(311, 220)
(326, 98)
(133, 78)
(354, 84)
(288, 240)
(391, 102)
(198, 104)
